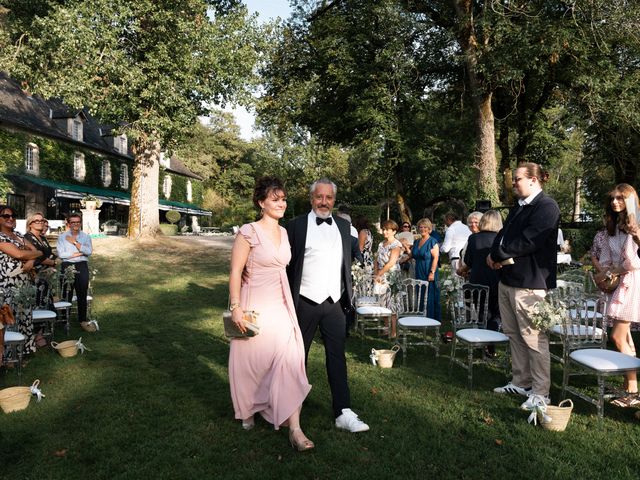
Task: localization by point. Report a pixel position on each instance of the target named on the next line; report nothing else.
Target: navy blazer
(529, 237)
(297, 232)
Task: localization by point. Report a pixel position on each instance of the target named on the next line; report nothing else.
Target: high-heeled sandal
(248, 423)
(301, 446)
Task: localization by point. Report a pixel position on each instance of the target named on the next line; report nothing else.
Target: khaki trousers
(530, 359)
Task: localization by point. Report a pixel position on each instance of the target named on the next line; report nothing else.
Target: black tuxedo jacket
(297, 232)
(529, 237)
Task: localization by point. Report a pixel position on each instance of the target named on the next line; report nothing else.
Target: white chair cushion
(373, 310)
(43, 314)
(605, 360)
(61, 304)
(418, 322)
(366, 301)
(577, 330)
(590, 313)
(480, 335)
(14, 337)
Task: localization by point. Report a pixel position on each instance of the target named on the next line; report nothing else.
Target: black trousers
(80, 286)
(331, 320)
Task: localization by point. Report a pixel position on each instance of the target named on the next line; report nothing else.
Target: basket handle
(35, 383)
(568, 401)
(54, 345)
(395, 348)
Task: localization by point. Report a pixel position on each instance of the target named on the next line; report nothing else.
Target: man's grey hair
(477, 215)
(324, 181)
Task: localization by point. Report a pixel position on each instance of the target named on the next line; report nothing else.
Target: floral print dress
(7, 283)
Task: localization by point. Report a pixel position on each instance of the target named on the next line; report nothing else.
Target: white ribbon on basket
(94, 322)
(81, 346)
(539, 408)
(36, 391)
(374, 357)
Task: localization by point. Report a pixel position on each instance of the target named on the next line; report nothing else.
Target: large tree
(148, 67)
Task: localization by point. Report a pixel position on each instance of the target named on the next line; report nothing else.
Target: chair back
(585, 323)
(569, 289)
(473, 310)
(412, 298)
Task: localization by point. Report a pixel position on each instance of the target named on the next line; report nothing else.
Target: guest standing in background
(74, 249)
(455, 238)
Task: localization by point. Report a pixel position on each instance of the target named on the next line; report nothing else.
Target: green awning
(71, 190)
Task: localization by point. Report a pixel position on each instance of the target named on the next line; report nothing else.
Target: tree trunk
(576, 200)
(144, 220)
(486, 151)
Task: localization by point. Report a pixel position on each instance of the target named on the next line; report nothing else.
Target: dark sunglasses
(8, 215)
(406, 226)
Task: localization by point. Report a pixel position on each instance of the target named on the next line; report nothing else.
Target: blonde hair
(32, 217)
(426, 222)
(491, 221)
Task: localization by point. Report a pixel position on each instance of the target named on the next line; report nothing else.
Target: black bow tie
(319, 220)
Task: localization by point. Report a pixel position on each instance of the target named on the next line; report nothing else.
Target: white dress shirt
(455, 238)
(321, 271)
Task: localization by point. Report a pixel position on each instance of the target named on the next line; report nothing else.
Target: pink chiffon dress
(267, 373)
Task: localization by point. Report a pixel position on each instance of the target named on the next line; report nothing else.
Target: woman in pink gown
(267, 372)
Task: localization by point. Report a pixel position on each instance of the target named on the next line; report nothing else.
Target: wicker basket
(66, 349)
(559, 416)
(384, 358)
(13, 399)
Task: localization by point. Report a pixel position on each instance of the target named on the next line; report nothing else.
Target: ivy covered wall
(55, 161)
(179, 188)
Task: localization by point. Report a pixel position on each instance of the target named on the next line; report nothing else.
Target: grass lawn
(151, 399)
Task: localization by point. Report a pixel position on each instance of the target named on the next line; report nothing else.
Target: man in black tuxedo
(525, 252)
(320, 279)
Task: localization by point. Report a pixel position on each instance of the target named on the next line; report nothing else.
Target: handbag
(250, 318)
(607, 281)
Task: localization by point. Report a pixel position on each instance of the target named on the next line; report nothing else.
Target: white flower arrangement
(360, 274)
(547, 315)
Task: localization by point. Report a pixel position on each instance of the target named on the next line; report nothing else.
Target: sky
(266, 10)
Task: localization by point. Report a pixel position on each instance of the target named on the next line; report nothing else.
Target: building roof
(176, 166)
(31, 113)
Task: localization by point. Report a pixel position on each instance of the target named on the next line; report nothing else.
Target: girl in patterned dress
(619, 253)
(387, 261)
(16, 253)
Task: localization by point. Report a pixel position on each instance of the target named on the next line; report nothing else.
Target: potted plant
(89, 202)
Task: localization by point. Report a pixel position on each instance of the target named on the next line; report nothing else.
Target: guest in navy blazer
(320, 279)
(525, 252)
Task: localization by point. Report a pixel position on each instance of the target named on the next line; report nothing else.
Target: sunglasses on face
(7, 216)
(74, 223)
(37, 221)
(406, 226)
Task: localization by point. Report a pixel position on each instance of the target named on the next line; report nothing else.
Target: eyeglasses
(7, 216)
(38, 221)
(406, 226)
(74, 223)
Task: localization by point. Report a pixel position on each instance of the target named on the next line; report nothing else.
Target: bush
(168, 230)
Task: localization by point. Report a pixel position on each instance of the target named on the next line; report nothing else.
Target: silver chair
(413, 323)
(585, 353)
(370, 314)
(470, 328)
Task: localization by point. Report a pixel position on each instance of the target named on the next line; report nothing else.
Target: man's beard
(321, 214)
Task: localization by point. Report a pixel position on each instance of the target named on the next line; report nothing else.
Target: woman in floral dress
(386, 263)
(365, 241)
(15, 254)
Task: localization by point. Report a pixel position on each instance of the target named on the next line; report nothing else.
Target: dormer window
(79, 169)
(120, 144)
(166, 186)
(32, 158)
(75, 129)
(105, 173)
(124, 176)
(189, 191)
(164, 160)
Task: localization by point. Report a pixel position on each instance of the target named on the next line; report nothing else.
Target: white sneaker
(513, 389)
(535, 401)
(350, 421)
